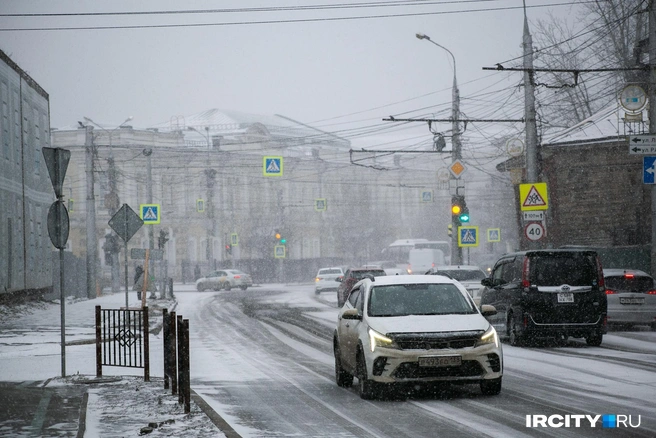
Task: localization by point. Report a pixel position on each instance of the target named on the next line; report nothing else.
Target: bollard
(173, 357)
(167, 353)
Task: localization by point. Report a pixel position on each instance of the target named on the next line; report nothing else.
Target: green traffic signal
(464, 215)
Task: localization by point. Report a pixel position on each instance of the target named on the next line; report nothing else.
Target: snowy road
(263, 359)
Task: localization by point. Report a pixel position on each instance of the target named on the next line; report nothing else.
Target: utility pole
(149, 200)
(530, 116)
(92, 244)
(529, 105)
(652, 120)
(211, 175)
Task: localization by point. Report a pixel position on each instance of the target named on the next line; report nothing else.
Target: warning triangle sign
(534, 199)
(273, 167)
(150, 215)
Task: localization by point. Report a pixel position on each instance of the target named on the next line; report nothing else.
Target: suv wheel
(594, 339)
(513, 331)
(367, 388)
(226, 285)
(491, 387)
(342, 377)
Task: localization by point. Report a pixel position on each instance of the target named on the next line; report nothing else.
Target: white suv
(415, 329)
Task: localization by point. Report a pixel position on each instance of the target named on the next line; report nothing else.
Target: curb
(214, 416)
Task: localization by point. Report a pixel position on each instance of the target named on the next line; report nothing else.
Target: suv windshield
(462, 274)
(629, 284)
(552, 269)
(418, 299)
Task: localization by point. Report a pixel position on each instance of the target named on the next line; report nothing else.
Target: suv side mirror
(488, 282)
(340, 278)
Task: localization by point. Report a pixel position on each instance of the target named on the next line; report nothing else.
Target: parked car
(352, 276)
(224, 279)
(388, 266)
(414, 329)
(325, 279)
(469, 276)
(548, 294)
(631, 296)
(421, 260)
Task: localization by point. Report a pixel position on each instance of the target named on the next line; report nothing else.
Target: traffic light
(450, 229)
(228, 249)
(456, 206)
(464, 214)
(281, 240)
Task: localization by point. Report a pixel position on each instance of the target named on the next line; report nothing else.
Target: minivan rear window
(554, 269)
(329, 271)
(621, 283)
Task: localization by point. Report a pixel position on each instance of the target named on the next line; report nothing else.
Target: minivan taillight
(600, 274)
(651, 292)
(525, 269)
(610, 292)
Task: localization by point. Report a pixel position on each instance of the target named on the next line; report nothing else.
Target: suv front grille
(436, 341)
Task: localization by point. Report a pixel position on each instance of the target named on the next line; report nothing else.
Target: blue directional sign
(649, 170)
(467, 236)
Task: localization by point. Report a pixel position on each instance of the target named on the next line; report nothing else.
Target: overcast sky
(304, 64)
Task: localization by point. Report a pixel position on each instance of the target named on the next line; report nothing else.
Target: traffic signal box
(281, 240)
(228, 249)
(459, 210)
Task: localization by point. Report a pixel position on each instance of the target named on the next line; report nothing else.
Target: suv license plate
(440, 361)
(638, 300)
(565, 297)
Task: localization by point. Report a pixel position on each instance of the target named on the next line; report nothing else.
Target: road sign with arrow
(642, 144)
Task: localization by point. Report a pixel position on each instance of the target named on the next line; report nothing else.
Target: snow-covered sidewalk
(118, 404)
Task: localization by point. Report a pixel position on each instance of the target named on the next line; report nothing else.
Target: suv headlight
(489, 337)
(379, 340)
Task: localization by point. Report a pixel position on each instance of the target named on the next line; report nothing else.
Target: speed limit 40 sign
(534, 231)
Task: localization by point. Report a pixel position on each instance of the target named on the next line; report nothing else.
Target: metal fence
(122, 339)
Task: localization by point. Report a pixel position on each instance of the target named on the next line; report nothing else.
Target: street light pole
(456, 154)
(211, 175)
(113, 203)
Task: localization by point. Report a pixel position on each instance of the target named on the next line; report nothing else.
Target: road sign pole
(125, 261)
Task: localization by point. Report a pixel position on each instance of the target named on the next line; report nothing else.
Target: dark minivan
(548, 294)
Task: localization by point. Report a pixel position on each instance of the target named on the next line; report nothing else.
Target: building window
(37, 141)
(4, 130)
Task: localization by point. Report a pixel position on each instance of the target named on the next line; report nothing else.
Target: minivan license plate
(638, 300)
(440, 361)
(565, 297)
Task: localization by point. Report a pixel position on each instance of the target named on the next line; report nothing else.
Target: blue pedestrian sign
(494, 235)
(427, 196)
(649, 170)
(150, 213)
(280, 251)
(467, 236)
(272, 166)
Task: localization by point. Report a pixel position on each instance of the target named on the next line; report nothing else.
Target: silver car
(325, 279)
(631, 296)
(224, 279)
(469, 276)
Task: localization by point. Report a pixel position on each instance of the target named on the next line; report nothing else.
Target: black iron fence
(176, 357)
(122, 339)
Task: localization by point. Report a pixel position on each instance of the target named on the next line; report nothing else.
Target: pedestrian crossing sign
(494, 235)
(272, 166)
(320, 204)
(200, 205)
(150, 213)
(533, 196)
(467, 236)
(427, 196)
(279, 251)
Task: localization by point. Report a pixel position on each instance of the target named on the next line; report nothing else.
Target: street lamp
(455, 101)
(211, 176)
(456, 251)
